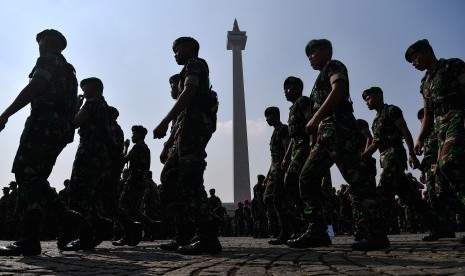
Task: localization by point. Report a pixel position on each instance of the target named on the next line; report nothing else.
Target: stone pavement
(248, 256)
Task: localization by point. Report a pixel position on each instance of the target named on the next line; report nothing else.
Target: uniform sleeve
(44, 68)
(194, 70)
(87, 109)
(337, 71)
(307, 108)
(396, 115)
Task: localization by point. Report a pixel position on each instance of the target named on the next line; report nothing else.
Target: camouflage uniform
(274, 194)
(90, 162)
(335, 143)
(393, 158)
(438, 202)
(46, 133)
(183, 191)
(299, 115)
(444, 94)
(368, 165)
(136, 184)
(258, 210)
(4, 213)
(110, 180)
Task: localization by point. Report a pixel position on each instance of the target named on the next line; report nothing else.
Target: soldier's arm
(369, 139)
(408, 137)
(166, 146)
(286, 141)
(80, 118)
(426, 127)
(287, 156)
(169, 143)
(33, 89)
(370, 150)
(338, 93)
(128, 157)
(183, 100)
(412, 158)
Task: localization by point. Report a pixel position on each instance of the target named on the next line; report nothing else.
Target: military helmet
(317, 43)
(371, 90)
(52, 32)
(183, 39)
(415, 47)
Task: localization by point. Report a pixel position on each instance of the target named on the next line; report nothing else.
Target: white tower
(236, 43)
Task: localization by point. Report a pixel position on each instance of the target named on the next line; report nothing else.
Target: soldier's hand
(413, 161)
(418, 148)
(160, 130)
(312, 127)
(3, 121)
(164, 155)
(422, 178)
(80, 101)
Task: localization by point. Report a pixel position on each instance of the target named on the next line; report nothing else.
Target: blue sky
(128, 45)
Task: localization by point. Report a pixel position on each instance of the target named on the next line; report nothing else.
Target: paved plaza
(248, 256)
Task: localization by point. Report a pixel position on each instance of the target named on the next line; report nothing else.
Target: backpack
(211, 107)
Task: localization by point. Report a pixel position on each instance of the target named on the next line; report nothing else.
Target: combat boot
(132, 236)
(282, 238)
(184, 236)
(84, 241)
(103, 230)
(206, 243)
(298, 225)
(22, 247)
(202, 246)
(314, 236)
(376, 238)
(439, 231)
(69, 223)
(84, 244)
(29, 244)
(179, 240)
(438, 234)
(372, 243)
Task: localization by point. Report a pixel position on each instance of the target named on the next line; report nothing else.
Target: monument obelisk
(236, 43)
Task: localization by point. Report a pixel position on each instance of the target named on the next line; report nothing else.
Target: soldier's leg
(191, 170)
(291, 184)
(192, 144)
(314, 202)
(173, 203)
(291, 180)
(282, 206)
(88, 167)
(34, 160)
(271, 215)
(363, 192)
(439, 202)
(450, 162)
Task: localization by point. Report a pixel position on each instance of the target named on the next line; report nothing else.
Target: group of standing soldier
(323, 131)
(57, 110)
